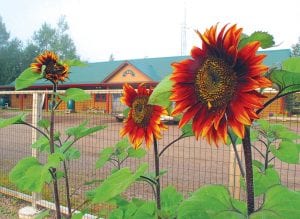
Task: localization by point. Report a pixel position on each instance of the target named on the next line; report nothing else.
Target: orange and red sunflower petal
(213, 110)
(147, 125)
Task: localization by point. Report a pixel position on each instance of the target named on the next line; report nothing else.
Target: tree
(4, 35)
(55, 39)
(10, 61)
(296, 48)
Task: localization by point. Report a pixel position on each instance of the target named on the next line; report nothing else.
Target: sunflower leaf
(116, 184)
(287, 152)
(30, 175)
(161, 93)
(18, 119)
(211, 201)
(75, 94)
(288, 78)
(266, 40)
(280, 202)
(27, 78)
(187, 130)
(263, 180)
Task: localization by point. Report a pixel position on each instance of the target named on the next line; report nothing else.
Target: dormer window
(128, 72)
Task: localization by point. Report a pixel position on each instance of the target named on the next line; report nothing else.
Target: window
(100, 97)
(128, 72)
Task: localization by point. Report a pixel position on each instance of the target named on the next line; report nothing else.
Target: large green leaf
(70, 153)
(82, 131)
(44, 123)
(287, 81)
(75, 94)
(280, 202)
(27, 78)
(170, 201)
(263, 180)
(161, 93)
(13, 120)
(209, 201)
(287, 152)
(41, 144)
(136, 153)
(30, 175)
(266, 40)
(292, 64)
(105, 154)
(117, 183)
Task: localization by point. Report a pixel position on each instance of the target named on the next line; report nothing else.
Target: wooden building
(113, 74)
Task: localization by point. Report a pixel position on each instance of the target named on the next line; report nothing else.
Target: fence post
(37, 105)
(234, 172)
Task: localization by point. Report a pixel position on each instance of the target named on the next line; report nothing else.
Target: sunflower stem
(237, 156)
(249, 170)
(55, 184)
(156, 163)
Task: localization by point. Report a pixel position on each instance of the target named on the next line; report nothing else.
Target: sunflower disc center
(215, 83)
(141, 111)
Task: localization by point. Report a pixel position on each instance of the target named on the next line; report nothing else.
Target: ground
(9, 207)
(190, 163)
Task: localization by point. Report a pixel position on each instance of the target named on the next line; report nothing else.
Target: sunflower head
(53, 70)
(216, 88)
(143, 122)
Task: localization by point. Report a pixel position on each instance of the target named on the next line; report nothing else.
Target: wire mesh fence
(189, 163)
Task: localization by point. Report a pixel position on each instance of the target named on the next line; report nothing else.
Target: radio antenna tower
(183, 32)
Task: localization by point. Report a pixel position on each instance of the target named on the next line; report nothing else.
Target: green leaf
(287, 152)
(70, 153)
(146, 211)
(82, 131)
(187, 130)
(116, 214)
(54, 160)
(291, 64)
(122, 145)
(280, 202)
(41, 144)
(208, 201)
(44, 123)
(136, 153)
(117, 183)
(27, 78)
(266, 40)
(18, 119)
(74, 62)
(287, 81)
(229, 215)
(105, 155)
(161, 93)
(170, 201)
(30, 175)
(263, 180)
(75, 94)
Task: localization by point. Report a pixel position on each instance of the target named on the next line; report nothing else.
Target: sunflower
(216, 88)
(143, 120)
(54, 71)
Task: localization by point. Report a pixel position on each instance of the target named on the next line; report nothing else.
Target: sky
(131, 29)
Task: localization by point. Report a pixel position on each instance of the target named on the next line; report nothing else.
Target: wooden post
(37, 105)
(234, 173)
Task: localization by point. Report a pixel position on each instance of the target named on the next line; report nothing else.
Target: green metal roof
(155, 68)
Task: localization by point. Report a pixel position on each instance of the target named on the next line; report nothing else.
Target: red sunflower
(54, 71)
(143, 120)
(216, 88)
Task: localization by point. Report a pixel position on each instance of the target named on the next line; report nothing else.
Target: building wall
(129, 74)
